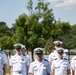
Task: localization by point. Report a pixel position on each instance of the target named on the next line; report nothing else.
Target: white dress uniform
(60, 66)
(28, 58)
(40, 68)
(19, 63)
(73, 64)
(54, 55)
(3, 60)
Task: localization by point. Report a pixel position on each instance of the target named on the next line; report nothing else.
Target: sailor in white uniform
(73, 65)
(53, 55)
(40, 66)
(60, 66)
(3, 62)
(18, 63)
(23, 48)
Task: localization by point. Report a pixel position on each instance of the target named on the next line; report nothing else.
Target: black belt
(19, 71)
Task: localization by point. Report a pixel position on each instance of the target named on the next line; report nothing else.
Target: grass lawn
(7, 74)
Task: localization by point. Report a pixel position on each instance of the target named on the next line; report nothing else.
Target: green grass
(8, 71)
(7, 74)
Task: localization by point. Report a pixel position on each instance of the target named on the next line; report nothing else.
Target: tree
(6, 42)
(49, 45)
(4, 30)
(62, 31)
(5, 36)
(72, 37)
(30, 31)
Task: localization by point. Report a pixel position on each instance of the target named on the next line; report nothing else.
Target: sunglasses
(38, 53)
(60, 52)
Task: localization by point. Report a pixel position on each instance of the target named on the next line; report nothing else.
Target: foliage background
(38, 29)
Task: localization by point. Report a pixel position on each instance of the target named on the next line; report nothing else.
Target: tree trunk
(32, 54)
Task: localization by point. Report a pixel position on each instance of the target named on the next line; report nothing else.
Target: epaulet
(2, 52)
(24, 55)
(65, 59)
(55, 59)
(45, 59)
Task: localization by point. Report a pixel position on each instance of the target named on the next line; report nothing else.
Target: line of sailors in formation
(57, 63)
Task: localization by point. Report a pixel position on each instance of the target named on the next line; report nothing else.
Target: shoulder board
(45, 60)
(24, 55)
(2, 52)
(65, 59)
(55, 59)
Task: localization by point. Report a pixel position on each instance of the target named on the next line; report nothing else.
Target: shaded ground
(7, 74)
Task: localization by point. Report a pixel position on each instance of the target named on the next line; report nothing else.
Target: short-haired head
(17, 46)
(38, 50)
(57, 43)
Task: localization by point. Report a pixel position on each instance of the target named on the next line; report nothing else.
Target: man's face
(39, 55)
(17, 51)
(60, 52)
(22, 50)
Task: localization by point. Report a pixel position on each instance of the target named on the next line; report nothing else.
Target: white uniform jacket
(73, 64)
(3, 60)
(40, 68)
(60, 66)
(18, 64)
(54, 55)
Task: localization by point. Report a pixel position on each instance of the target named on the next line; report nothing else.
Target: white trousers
(1, 73)
(16, 73)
